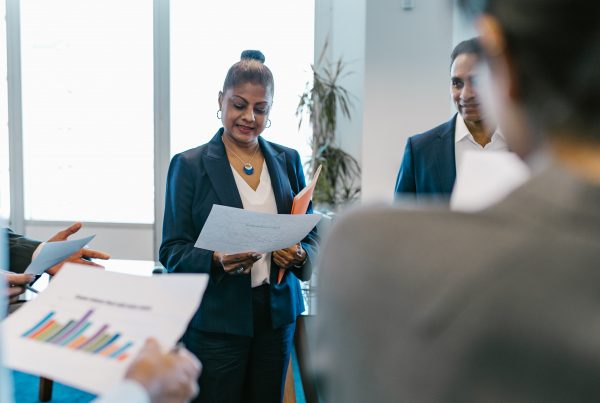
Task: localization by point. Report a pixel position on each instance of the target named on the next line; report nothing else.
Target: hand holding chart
(84, 329)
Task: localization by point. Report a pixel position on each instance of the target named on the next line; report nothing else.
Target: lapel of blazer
(277, 165)
(219, 172)
(445, 161)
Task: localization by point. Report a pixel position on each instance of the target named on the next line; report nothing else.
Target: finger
(14, 291)
(280, 262)
(94, 254)
(232, 269)
(191, 358)
(55, 269)
(195, 390)
(19, 279)
(150, 345)
(189, 369)
(88, 263)
(239, 257)
(245, 262)
(285, 255)
(67, 232)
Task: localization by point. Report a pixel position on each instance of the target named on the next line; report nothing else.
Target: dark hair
(251, 69)
(555, 48)
(469, 46)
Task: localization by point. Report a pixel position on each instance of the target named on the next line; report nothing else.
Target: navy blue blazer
(428, 169)
(201, 177)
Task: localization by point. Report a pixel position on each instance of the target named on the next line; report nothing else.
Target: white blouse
(261, 200)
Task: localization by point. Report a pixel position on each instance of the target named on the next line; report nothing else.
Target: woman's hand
(238, 263)
(288, 257)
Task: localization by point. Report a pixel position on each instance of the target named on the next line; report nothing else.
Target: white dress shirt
(261, 200)
(464, 141)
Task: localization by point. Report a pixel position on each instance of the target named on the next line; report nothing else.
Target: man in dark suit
(431, 159)
(498, 306)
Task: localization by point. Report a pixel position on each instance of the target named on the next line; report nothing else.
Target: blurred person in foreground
(504, 308)
(153, 376)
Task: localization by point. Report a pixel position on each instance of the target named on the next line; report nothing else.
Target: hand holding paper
(55, 253)
(232, 230)
(91, 319)
(82, 256)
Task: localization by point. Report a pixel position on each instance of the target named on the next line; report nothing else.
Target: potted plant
(322, 100)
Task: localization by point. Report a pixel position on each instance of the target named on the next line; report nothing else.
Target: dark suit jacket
(428, 168)
(434, 306)
(20, 251)
(201, 177)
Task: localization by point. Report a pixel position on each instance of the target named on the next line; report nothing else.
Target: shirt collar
(461, 131)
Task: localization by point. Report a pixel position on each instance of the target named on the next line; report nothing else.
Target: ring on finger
(239, 270)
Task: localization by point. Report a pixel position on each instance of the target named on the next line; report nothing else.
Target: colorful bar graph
(79, 334)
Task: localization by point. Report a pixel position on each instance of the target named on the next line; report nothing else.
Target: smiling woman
(244, 328)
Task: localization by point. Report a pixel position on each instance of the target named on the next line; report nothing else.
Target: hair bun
(253, 55)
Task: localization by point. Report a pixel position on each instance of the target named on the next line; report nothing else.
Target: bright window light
(87, 78)
(207, 38)
(4, 161)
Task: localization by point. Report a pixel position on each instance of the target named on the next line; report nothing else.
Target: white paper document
(486, 178)
(55, 252)
(86, 327)
(233, 230)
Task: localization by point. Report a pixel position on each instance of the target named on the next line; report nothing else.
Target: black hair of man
(469, 46)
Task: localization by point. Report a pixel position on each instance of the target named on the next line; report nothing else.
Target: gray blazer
(499, 306)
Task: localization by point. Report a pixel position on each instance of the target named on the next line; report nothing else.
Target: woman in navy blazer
(242, 334)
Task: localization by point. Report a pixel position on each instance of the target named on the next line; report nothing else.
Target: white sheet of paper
(486, 178)
(233, 230)
(134, 307)
(55, 252)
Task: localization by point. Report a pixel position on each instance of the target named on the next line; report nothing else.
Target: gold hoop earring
(268, 123)
(219, 114)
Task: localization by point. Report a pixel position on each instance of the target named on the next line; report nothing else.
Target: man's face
(463, 82)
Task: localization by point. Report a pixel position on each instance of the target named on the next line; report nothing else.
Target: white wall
(346, 32)
(406, 84)
(462, 27)
(121, 241)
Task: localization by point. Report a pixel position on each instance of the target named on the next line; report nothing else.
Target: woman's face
(245, 111)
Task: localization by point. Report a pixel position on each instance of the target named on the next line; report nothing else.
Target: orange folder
(300, 205)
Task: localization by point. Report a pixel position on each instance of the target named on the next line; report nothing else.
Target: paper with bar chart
(84, 329)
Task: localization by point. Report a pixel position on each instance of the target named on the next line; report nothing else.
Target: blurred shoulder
(387, 238)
